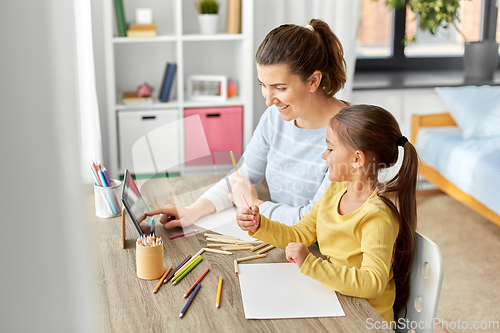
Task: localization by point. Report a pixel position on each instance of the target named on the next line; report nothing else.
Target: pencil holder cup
(107, 200)
(149, 260)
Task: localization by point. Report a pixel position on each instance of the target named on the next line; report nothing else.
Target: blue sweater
(290, 159)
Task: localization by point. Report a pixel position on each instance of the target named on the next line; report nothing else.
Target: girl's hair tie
(401, 141)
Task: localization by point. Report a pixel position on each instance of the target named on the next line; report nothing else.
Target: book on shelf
(120, 18)
(136, 26)
(130, 97)
(234, 17)
(168, 77)
(141, 33)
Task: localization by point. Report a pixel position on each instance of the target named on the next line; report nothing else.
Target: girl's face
(339, 158)
(285, 90)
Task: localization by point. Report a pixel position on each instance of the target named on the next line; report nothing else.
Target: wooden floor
(127, 303)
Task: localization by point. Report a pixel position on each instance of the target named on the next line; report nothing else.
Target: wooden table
(126, 303)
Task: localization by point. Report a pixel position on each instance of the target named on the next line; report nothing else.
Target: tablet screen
(133, 201)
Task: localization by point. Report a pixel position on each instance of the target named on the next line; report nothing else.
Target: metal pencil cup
(107, 200)
(149, 260)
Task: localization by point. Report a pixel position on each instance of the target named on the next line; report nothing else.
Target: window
(381, 33)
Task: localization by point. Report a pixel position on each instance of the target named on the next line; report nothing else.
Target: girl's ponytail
(404, 185)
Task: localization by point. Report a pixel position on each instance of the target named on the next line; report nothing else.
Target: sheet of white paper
(274, 291)
(224, 223)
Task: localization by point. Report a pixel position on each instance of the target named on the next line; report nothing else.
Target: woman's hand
(182, 217)
(245, 218)
(173, 216)
(296, 252)
(243, 186)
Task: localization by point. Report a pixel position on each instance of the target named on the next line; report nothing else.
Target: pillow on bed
(476, 110)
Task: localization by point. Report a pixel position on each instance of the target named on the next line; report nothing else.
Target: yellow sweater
(358, 246)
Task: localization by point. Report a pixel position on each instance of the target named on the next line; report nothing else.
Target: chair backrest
(425, 288)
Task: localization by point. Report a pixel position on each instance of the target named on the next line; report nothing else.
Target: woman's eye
(280, 89)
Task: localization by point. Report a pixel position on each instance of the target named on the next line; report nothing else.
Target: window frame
(398, 61)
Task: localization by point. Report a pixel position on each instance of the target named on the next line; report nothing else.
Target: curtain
(90, 130)
(343, 16)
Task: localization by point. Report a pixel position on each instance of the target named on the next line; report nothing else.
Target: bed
(460, 150)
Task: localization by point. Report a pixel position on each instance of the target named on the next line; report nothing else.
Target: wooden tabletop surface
(126, 303)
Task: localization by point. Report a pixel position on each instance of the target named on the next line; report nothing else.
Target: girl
(300, 70)
(369, 242)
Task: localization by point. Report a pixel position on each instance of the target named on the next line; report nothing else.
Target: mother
(300, 70)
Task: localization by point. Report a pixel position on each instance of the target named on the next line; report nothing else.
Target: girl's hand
(243, 186)
(296, 252)
(245, 217)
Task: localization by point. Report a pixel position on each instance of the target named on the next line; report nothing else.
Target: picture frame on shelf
(207, 87)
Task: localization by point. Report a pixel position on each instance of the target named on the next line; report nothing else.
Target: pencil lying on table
(266, 249)
(172, 273)
(189, 300)
(252, 257)
(219, 290)
(255, 248)
(198, 280)
(185, 233)
(162, 279)
(189, 269)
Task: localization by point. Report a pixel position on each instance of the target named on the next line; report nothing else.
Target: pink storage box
(222, 130)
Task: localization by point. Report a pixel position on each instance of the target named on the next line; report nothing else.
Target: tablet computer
(134, 203)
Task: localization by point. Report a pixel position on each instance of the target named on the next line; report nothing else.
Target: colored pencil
(198, 280)
(94, 167)
(185, 267)
(219, 289)
(251, 257)
(108, 180)
(183, 233)
(105, 174)
(221, 236)
(249, 243)
(234, 162)
(98, 183)
(255, 248)
(248, 207)
(215, 245)
(189, 269)
(236, 271)
(189, 262)
(237, 248)
(221, 240)
(162, 279)
(217, 251)
(190, 300)
(266, 249)
(172, 273)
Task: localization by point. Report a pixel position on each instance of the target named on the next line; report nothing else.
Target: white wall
(45, 283)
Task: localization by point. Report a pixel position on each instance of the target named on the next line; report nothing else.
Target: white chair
(425, 288)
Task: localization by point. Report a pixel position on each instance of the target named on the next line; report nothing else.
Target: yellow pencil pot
(149, 260)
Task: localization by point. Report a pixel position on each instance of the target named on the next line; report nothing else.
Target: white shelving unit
(130, 62)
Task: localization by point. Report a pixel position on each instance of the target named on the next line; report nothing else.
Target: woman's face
(285, 90)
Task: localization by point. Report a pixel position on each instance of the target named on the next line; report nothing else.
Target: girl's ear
(359, 159)
(315, 80)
